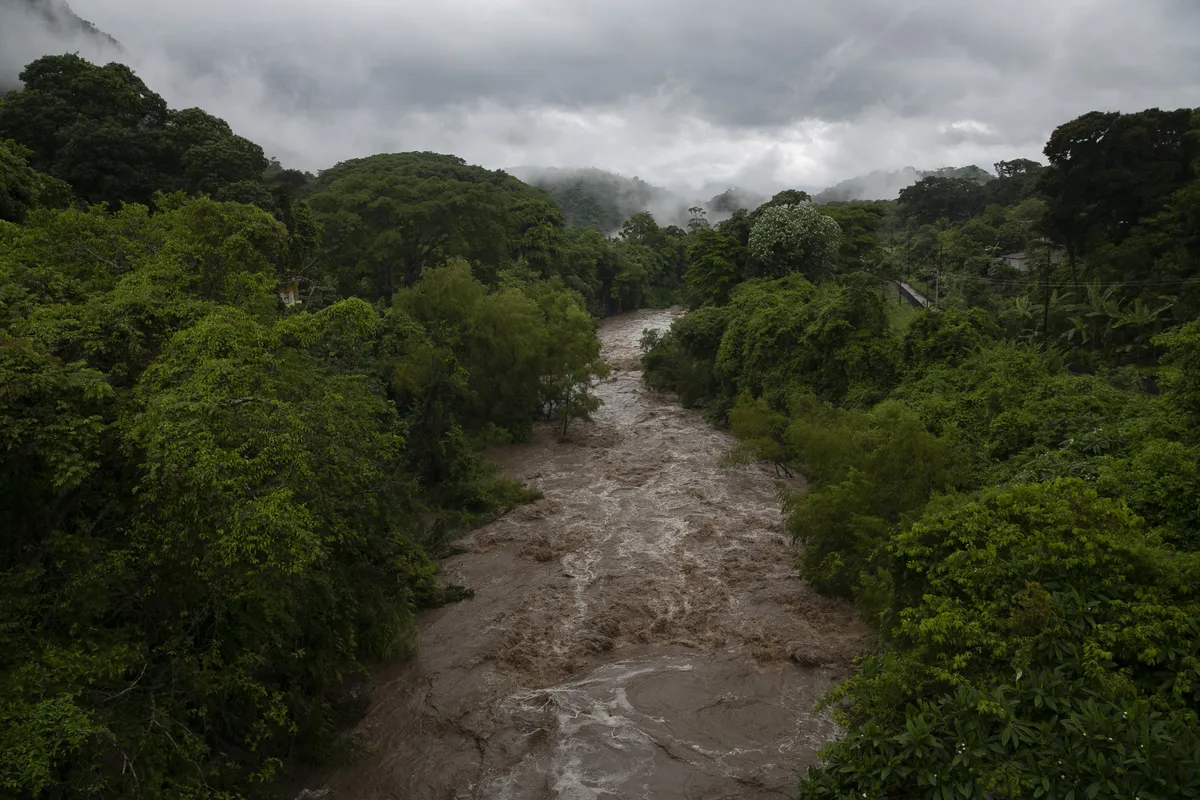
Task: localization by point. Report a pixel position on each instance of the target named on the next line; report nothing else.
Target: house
(289, 293)
(1023, 260)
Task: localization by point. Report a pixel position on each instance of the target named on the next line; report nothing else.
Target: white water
(638, 633)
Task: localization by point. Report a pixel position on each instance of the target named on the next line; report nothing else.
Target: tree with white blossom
(794, 238)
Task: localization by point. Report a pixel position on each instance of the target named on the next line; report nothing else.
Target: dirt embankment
(640, 632)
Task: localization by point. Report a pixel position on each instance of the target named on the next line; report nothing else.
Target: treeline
(1007, 484)
(242, 409)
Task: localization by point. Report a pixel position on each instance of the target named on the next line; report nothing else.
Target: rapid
(640, 632)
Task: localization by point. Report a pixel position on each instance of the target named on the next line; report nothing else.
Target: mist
(30, 29)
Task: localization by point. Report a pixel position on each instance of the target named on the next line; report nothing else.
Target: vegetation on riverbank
(242, 408)
(1007, 485)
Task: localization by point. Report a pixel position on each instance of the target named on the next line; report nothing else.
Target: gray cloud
(685, 93)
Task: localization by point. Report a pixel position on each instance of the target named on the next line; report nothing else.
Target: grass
(900, 314)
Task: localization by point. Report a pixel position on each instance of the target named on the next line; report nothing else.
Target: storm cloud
(684, 93)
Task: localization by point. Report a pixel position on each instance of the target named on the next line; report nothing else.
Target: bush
(1044, 646)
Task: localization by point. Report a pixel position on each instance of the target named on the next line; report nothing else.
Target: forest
(1006, 483)
(244, 409)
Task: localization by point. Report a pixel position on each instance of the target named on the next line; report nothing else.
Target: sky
(687, 94)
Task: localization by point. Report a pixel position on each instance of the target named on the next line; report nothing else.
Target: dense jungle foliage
(242, 408)
(1007, 482)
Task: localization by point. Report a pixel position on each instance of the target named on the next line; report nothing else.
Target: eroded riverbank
(639, 632)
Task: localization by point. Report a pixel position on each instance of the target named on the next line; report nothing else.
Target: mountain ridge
(30, 29)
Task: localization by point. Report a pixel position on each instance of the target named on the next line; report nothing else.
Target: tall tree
(935, 198)
(714, 260)
(1109, 171)
(794, 238)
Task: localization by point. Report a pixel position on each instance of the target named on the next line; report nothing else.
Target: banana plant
(1092, 319)
(1145, 323)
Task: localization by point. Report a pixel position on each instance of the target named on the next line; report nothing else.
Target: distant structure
(913, 297)
(289, 293)
(1023, 260)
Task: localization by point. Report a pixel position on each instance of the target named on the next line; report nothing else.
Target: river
(638, 633)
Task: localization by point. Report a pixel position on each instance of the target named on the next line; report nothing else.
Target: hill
(885, 185)
(595, 198)
(33, 28)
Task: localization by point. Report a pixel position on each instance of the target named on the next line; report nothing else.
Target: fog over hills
(30, 29)
(589, 196)
(603, 200)
(885, 185)
(794, 100)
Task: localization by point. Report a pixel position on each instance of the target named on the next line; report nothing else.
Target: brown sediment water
(638, 633)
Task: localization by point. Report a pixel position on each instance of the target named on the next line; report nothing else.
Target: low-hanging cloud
(692, 95)
(32, 28)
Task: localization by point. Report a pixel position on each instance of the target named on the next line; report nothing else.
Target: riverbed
(638, 633)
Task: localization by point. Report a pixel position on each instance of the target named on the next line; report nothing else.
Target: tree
(220, 498)
(1017, 167)
(1016, 181)
(211, 165)
(948, 337)
(714, 268)
(62, 91)
(572, 357)
(217, 511)
(933, 198)
(699, 219)
(382, 230)
(787, 198)
(860, 224)
(738, 226)
(104, 132)
(389, 216)
(22, 188)
(1109, 171)
(794, 239)
(1182, 367)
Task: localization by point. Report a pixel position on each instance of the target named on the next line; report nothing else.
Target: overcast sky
(684, 93)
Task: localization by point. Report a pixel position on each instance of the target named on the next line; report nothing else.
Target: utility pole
(937, 287)
(1046, 302)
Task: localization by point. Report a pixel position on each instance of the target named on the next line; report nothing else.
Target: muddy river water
(638, 633)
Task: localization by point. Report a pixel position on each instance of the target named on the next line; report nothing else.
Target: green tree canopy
(104, 132)
(794, 238)
(714, 267)
(934, 198)
(23, 188)
(387, 217)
